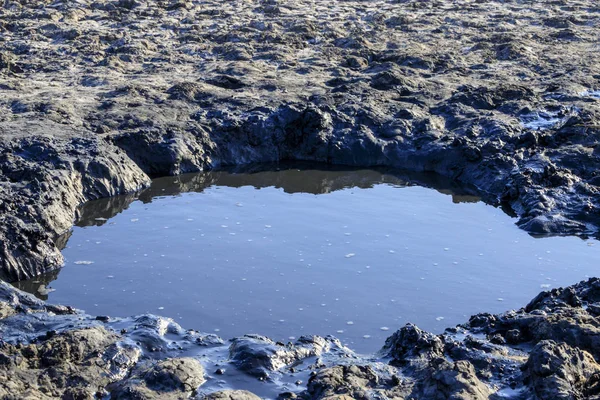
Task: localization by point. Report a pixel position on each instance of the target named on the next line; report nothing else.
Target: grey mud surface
(98, 97)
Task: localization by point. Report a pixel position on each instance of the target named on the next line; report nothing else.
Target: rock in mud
(547, 349)
(352, 381)
(167, 379)
(558, 371)
(231, 395)
(76, 364)
(451, 380)
(412, 344)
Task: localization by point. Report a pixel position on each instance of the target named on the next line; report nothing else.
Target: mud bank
(546, 350)
(97, 97)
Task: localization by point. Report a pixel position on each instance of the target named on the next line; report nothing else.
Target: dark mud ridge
(97, 97)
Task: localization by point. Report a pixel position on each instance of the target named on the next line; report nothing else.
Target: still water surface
(356, 254)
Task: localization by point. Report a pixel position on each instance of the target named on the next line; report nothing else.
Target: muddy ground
(97, 97)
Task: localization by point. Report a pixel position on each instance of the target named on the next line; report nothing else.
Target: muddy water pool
(351, 253)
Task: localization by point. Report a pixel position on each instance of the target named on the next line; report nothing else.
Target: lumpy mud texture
(546, 350)
(96, 97)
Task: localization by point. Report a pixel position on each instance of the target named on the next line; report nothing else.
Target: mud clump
(554, 359)
(258, 355)
(352, 381)
(231, 395)
(167, 379)
(76, 364)
(560, 371)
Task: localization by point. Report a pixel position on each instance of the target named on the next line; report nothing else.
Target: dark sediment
(98, 97)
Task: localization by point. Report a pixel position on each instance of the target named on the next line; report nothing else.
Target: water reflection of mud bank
(291, 178)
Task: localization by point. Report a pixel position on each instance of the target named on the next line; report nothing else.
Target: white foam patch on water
(83, 262)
